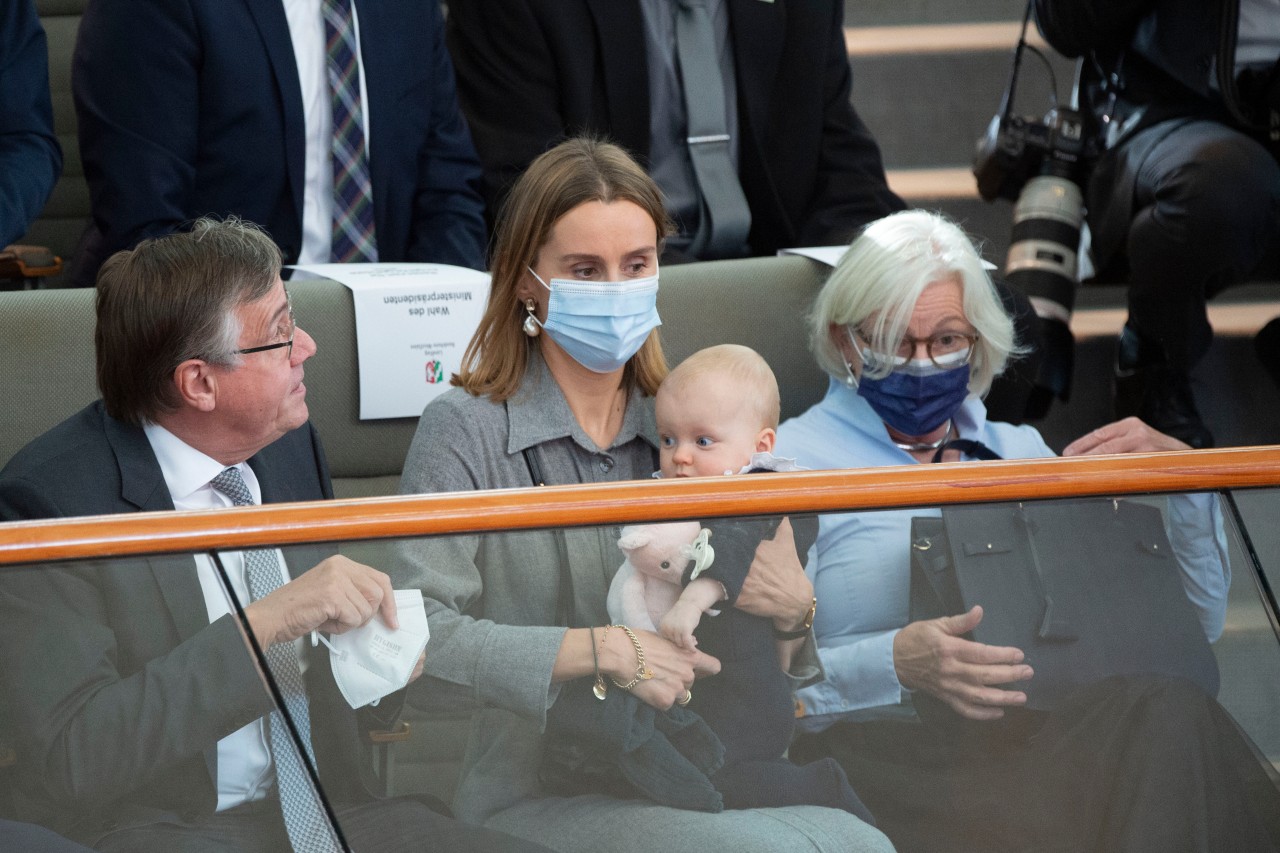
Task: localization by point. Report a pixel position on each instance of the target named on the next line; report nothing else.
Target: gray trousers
(399, 825)
(594, 823)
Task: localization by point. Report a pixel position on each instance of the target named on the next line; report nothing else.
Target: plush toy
(648, 582)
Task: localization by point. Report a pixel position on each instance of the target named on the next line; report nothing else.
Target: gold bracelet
(643, 673)
(598, 687)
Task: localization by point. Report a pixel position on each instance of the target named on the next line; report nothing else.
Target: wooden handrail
(615, 503)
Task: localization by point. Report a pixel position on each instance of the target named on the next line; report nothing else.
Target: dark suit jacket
(532, 72)
(30, 159)
(116, 686)
(1173, 42)
(193, 107)
(1160, 53)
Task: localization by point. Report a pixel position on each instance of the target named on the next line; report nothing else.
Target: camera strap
(1006, 103)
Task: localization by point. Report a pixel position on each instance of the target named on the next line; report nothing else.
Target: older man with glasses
(141, 718)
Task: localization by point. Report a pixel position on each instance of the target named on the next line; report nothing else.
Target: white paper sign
(831, 255)
(413, 322)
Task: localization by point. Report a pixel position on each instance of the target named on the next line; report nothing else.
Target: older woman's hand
(1127, 436)
(776, 585)
(932, 656)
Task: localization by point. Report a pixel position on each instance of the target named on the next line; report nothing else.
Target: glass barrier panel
(1151, 653)
(1144, 680)
(136, 716)
(1258, 510)
(1246, 652)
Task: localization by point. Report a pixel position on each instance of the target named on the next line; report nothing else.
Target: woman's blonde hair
(574, 172)
(884, 272)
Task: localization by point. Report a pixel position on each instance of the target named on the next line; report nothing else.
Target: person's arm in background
(448, 212)
(30, 159)
(507, 87)
(852, 189)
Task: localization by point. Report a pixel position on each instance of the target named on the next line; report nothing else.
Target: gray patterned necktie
(725, 219)
(309, 831)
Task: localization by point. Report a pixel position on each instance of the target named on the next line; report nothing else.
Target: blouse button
(606, 464)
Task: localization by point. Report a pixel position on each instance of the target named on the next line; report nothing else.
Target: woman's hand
(776, 585)
(1127, 436)
(932, 656)
(674, 669)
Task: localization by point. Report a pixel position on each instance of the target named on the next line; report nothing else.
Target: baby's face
(705, 431)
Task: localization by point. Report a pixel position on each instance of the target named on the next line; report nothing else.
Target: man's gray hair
(171, 299)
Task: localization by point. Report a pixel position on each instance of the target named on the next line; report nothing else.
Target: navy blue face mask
(918, 397)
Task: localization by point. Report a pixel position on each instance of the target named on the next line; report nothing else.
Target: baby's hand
(677, 626)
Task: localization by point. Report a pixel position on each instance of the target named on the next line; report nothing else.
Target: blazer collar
(538, 413)
(141, 480)
(142, 486)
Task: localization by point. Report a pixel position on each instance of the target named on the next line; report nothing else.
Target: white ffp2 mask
(373, 661)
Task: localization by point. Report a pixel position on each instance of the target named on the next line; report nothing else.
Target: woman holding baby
(557, 387)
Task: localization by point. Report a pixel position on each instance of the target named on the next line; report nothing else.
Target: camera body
(1017, 148)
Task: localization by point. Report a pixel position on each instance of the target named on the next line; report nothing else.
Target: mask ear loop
(851, 380)
(317, 638)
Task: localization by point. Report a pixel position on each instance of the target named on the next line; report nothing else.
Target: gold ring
(686, 699)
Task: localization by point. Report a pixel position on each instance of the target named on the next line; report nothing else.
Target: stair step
(880, 12)
(925, 39)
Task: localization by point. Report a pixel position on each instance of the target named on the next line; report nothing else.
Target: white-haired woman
(911, 330)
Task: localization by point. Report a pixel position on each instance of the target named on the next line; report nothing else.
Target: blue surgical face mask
(601, 324)
(916, 397)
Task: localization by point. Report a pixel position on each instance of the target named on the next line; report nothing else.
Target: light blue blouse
(860, 564)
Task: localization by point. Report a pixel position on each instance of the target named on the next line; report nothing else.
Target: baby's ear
(765, 440)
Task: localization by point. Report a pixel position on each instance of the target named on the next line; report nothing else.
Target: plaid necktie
(353, 228)
(304, 820)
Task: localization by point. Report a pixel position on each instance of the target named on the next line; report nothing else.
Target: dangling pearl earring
(849, 380)
(531, 326)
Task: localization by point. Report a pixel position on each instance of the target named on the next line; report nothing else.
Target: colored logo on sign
(435, 372)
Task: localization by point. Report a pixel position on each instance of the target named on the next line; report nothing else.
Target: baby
(717, 413)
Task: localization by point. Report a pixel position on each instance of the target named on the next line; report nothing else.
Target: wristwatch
(804, 625)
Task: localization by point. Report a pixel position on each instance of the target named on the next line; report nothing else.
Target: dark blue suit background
(193, 107)
(30, 159)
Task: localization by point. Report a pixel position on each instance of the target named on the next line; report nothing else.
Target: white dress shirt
(306, 30)
(245, 772)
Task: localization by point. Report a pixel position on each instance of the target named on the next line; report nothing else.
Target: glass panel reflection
(135, 710)
(129, 676)
(1163, 718)
(1248, 654)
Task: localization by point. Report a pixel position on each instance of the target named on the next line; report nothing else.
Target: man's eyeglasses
(293, 330)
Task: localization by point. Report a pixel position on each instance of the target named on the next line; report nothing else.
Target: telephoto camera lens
(1042, 260)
